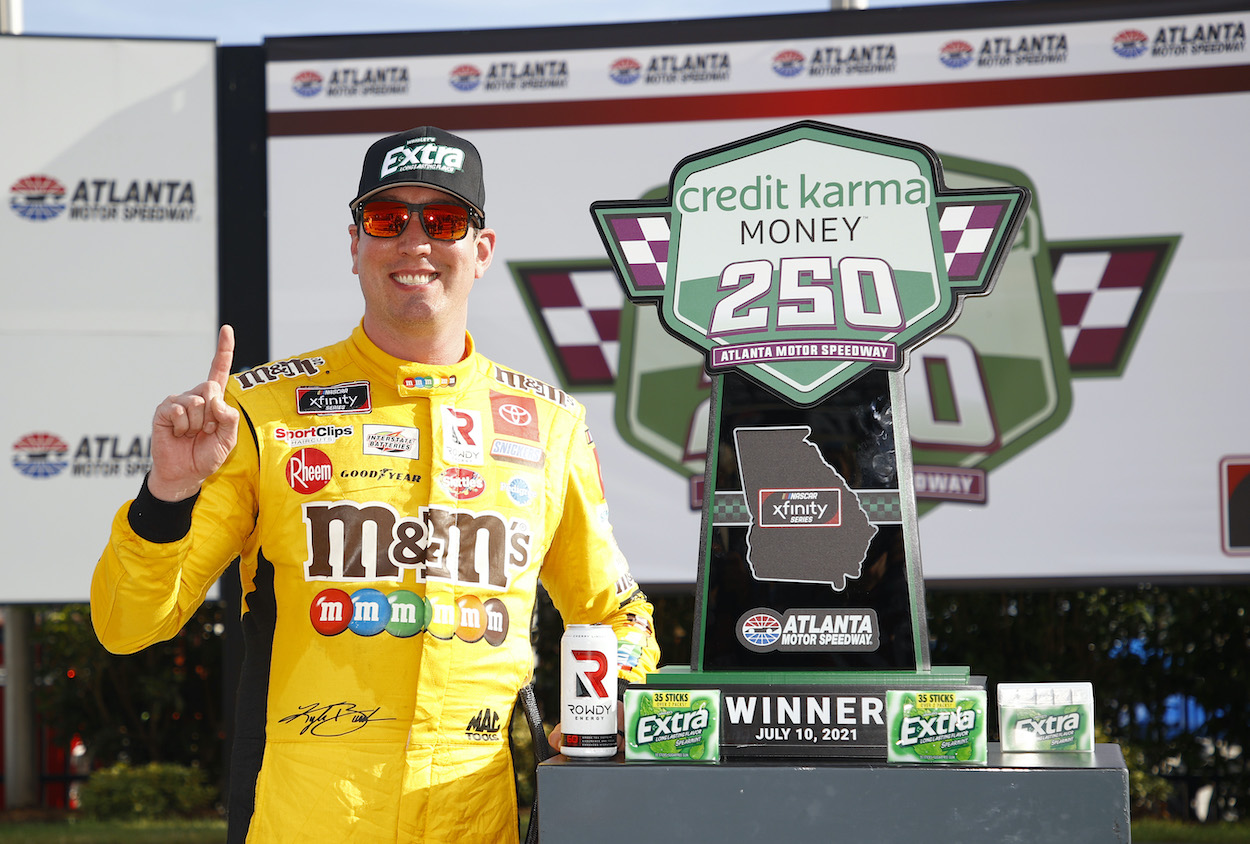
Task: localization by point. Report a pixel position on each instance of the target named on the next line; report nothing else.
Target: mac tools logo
(1078, 307)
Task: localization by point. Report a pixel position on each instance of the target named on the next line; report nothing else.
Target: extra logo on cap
(422, 154)
(425, 156)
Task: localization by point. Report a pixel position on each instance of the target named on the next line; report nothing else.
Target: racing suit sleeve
(162, 558)
(586, 574)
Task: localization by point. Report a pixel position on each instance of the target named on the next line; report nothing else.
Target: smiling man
(393, 499)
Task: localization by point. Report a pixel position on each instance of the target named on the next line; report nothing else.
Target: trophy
(803, 264)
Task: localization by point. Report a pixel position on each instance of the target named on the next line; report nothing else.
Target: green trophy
(803, 264)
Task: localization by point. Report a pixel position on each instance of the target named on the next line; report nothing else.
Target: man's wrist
(157, 520)
(168, 493)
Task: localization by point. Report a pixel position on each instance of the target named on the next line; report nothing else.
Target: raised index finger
(219, 372)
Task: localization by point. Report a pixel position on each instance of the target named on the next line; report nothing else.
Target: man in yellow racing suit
(394, 499)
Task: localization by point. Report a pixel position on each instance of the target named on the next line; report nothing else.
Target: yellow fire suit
(392, 520)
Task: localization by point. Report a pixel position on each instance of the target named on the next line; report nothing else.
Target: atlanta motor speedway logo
(40, 197)
(977, 396)
(764, 629)
(37, 197)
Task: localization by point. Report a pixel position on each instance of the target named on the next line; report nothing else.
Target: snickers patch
(520, 453)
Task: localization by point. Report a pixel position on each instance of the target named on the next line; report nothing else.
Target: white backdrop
(1126, 486)
(109, 293)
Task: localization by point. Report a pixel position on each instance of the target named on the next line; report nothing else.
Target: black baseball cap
(424, 157)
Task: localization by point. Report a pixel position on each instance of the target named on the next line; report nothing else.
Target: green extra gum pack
(937, 726)
(1046, 717)
(672, 725)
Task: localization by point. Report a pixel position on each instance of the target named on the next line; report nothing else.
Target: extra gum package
(944, 727)
(1046, 717)
(672, 725)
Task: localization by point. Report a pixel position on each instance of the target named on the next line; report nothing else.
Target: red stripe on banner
(787, 104)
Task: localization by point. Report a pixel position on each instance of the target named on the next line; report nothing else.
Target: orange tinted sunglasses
(440, 220)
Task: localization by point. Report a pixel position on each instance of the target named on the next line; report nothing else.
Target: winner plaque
(804, 263)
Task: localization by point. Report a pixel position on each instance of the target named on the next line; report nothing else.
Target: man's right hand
(193, 433)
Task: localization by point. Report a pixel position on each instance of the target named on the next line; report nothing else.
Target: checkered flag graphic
(1104, 295)
(643, 241)
(578, 311)
(968, 231)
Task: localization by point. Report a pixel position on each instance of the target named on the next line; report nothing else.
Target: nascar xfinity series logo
(977, 396)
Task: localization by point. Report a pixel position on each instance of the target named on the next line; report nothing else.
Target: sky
(242, 22)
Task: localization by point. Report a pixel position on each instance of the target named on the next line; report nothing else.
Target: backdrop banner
(1086, 420)
(109, 300)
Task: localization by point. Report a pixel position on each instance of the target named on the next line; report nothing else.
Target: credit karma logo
(37, 197)
(404, 614)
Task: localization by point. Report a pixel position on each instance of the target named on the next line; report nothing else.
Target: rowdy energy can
(588, 691)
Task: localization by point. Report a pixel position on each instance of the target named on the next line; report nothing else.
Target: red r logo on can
(593, 678)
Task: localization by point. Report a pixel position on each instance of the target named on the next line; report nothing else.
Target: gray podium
(1058, 798)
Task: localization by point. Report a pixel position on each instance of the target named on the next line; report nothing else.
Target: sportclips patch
(349, 397)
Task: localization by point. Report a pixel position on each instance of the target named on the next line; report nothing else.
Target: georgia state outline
(807, 524)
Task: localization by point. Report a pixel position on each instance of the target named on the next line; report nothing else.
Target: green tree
(162, 704)
(1155, 654)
